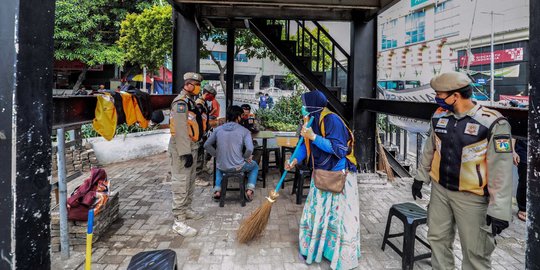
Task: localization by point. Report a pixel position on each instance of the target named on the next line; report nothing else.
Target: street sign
(481, 81)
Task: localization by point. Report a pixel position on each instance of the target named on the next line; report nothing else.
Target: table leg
(264, 163)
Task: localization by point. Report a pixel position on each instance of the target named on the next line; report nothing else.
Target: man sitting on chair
(231, 144)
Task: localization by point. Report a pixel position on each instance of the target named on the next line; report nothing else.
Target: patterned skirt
(330, 226)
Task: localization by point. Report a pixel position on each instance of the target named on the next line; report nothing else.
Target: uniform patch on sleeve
(181, 107)
(503, 144)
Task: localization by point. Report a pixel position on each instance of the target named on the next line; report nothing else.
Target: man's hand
(417, 189)
(250, 159)
(497, 225)
(515, 157)
(308, 133)
(189, 160)
(290, 166)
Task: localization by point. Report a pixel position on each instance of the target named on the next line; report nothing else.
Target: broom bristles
(255, 224)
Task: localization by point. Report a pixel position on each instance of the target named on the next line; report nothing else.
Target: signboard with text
(501, 56)
(415, 3)
(74, 65)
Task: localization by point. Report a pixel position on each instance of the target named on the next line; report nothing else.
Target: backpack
(196, 120)
(93, 193)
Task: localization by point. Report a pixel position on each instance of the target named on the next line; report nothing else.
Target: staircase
(309, 51)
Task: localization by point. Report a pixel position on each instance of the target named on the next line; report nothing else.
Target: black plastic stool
(411, 215)
(241, 183)
(154, 260)
(300, 175)
(277, 158)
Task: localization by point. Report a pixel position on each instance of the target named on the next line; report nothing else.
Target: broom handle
(293, 156)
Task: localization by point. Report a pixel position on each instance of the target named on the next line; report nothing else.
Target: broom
(384, 165)
(255, 224)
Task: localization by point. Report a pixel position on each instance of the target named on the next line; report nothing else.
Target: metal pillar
(230, 68)
(26, 35)
(185, 47)
(62, 190)
(532, 260)
(363, 79)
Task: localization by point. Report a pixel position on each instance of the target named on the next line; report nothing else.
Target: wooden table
(264, 135)
(287, 144)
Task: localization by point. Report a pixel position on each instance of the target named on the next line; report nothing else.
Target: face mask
(304, 111)
(196, 90)
(209, 97)
(442, 103)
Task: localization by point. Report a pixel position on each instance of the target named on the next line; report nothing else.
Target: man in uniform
(183, 150)
(468, 160)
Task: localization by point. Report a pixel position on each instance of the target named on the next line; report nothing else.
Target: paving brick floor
(145, 224)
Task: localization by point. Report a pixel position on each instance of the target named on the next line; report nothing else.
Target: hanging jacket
(129, 108)
(119, 105)
(143, 101)
(105, 116)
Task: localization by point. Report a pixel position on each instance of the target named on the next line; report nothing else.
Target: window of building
(415, 27)
(388, 39)
(222, 56)
(446, 19)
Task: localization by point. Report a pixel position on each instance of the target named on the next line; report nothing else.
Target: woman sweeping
(330, 224)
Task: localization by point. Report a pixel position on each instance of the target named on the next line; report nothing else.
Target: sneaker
(192, 214)
(183, 229)
(201, 183)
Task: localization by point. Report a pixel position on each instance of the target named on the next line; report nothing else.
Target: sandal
(249, 197)
(522, 215)
(216, 196)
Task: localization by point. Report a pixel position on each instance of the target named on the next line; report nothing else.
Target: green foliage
(244, 41)
(146, 38)
(286, 114)
(88, 131)
(81, 31)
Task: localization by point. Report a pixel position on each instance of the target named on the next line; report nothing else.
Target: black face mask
(442, 103)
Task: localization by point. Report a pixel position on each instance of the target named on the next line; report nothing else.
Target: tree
(146, 38)
(87, 30)
(245, 41)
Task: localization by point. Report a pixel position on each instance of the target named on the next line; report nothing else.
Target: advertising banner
(501, 56)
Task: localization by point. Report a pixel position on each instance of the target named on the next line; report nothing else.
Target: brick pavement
(145, 224)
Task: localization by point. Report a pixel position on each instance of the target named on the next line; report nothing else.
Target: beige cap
(193, 76)
(208, 88)
(449, 81)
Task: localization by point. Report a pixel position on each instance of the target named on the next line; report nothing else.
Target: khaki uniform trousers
(183, 181)
(468, 211)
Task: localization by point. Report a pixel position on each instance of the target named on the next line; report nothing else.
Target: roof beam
(216, 11)
(348, 4)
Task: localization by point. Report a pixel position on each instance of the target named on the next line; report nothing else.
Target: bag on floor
(93, 193)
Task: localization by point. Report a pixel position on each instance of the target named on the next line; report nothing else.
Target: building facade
(418, 39)
(256, 74)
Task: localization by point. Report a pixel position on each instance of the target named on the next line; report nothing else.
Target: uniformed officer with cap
(183, 151)
(468, 160)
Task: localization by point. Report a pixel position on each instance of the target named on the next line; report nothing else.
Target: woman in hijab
(330, 224)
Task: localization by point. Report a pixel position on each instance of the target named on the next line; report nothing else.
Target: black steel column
(532, 260)
(26, 64)
(363, 82)
(230, 68)
(185, 47)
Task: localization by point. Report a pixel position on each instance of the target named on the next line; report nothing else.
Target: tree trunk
(81, 78)
(222, 80)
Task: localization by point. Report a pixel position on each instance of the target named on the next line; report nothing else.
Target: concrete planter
(132, 146)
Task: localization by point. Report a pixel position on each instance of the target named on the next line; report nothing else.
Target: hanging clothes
(105, 117)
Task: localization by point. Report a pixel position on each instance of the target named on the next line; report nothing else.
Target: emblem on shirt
(442, 123)
(502, 144)
(181, 107)
(472, 129)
